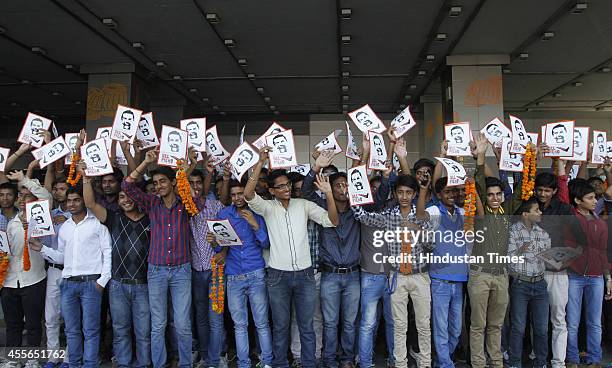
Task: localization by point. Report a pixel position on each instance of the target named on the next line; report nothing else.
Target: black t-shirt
(130, 245)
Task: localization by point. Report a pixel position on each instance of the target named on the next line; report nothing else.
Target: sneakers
(200, 364)
(10, 364)
(194, 357)
(296, 363)
(32, 363)
(222, 361)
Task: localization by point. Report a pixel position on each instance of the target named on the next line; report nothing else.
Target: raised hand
(400, 148)
(325, 159)
(192, 154)
(323, 184)
(151, 156)
(227, 170)
(443, 148)
(81, 167)
(315, 154)
(34, 164)
(264, 154)
(250, 217)
(17, 176)
(45, 134)
(391, 134)
(388, 169)
(82, 138)
(481, 144)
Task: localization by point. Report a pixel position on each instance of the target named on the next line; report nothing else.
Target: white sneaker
(10, 364)
(200, 364)
(222, 361)
(32, 363)
(532, 355)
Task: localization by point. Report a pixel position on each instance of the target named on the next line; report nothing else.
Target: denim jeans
(591, 290)
(209, 324)
(525, 297)
(81, 300)
(250, 287)
(129, 307)
(284, 288)
(447, 307)
(374, 287)
(339, 297)
(177, 280)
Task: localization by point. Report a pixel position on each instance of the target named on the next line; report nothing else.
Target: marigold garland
(4, 265)
(185, 190)
(529, 173)
(72, 180)
(26, 249)
(469, 204)
(217, 289)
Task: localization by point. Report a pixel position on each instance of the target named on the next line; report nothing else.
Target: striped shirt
(170, 232)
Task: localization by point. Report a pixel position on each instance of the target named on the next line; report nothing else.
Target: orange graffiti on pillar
(103, 102)
(484, 92)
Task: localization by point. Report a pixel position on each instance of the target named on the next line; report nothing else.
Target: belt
(531, 279)
(55, 265)
(447, 281)
(491, 270)
(131, 281)
(83, 278)
(340, 270)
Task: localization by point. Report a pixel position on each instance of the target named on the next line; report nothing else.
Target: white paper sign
(53, 151)
(241, 140)
(196, 131)
(39, 220)
(396, 162)
(105, 132)
(146, 132)
(243, 158)
(560, 139)
(217, 153)
(282, 154)
(581, 144)
(574, 171)
(455, 171)
(330, 143)
(4, 155)
(366, 120)
(403, 122)
(303, 169)
(495, 131)
(533, 138)
(600, 143)
(33, 125)
(378, 152)
(125, 124)
(224, 232)
(4, 244)
(71, 139)
(458, 137)
(274, 128)
(120, 157)
(609, 149)
(352, 150)
(359, 189)
(510, 161)
(96, 158)
(519, 136)
(173, 146)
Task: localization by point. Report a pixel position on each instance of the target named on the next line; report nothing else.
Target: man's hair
(407, 181)
(526, 206)
(295, 177)
(276, 174)
(165, 171)
(59, 180)
(424, 162)
(174, 132)
(546, 180)
(490, 126)
(559, 126)
(593, 179)
(374, 179)
(37, 205)
(578, 188)
(117, 174)
(235, 183)
(9, 186)
(331, 167)
(264, 171)
(335, 176)
(440, 184)
(76, 189)
(491, 181)
(456, 127)
(198, 173)
(127, 112)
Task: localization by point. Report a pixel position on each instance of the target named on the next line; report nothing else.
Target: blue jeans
(129, 306)
(447, 306)
(251, 285)
(209, 324)
(525, 296)
(81, 300)
(285, 287)
(373, 288)
(177, 280)
(591, 289)
(339, 296)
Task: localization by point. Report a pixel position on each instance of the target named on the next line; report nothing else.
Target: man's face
(110, 185)
(93, 152)
(143, 126)
(150, 189)
(282, 188)
(279, 143)
(244, 157)
(598, 185)
(196, 183)
(57, 147)
(174, 141)
(364, 119)
(557, 134)
(125, 202)
(600, 138)
(296, 189)
(210, 141)
(339, 189)
(163, 185)
(588, 202)
(534, 215)
(221, 230)
(577, 138)
(59, 192)
(192, 130)
(545, 194)
(356, 180)
(448, 196)
(237, 197)
(37, 215)
(36, 125)
(457, 135)
(75, 204)
(422, 173)
(460, 195)
(495, 197)
(105, 133)
(72, 142)
(7, 198)
(127, 119)
(25, 196)
(494, 131)
(404, 196)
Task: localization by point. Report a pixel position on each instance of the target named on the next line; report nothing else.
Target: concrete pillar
(431, 132)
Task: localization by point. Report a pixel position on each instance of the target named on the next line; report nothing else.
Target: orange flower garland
(4, 264)
(185, 190)
(72, 180)
(217, 290)
(469, 204)
(529, 173)
(26, 249)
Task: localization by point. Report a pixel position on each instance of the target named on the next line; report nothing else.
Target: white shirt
(83, 248)
(287, 229)
(16, 234)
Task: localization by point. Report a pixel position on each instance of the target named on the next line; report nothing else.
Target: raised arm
(131, 162)
(369, 218)
(50, 177)
(308, 186)
(131, 189)
(89, 196)
(10, 161)
(421, 214)
(324, 186)
(402, 156)
(225, 189)
(193, 161)
(479, 175)
(249, 190)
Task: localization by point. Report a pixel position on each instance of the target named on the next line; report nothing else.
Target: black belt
(340, 270)
(491, 270)
(55, 265)
(531, 279)
(83, 278)
(131, 281)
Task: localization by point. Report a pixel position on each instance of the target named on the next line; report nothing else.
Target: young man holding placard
(290, 275)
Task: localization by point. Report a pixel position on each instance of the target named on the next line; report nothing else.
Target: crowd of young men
(309, 273)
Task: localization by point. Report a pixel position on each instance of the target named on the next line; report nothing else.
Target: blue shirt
(449, 241)
(247, 257)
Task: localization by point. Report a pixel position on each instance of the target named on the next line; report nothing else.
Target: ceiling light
(205, 99)
(345, 97)
(212, 18)
(441, 37)
(506, 70)
(193, 90)
(345, 88)
(260, 90)
(267, 99)
(77, 102)
(242, 62)
(346, 39)
(276, 112)
(69, 66)
(229, 42)
(251, 76)
(422, 73)
(222, 113)
(579, 7)
(539, 103)
(407, 97)
(272, 107)
(455, 11)
(160, 64)
(56, 93)
(412, 86)
(577, 84)
(38, 50)
(14, 104)
(215, 107)
(109, 22)
(25, 81)
(556, 94)
(605, 69)
(430, 57)
(138, 45)
(548, 35)
(346, 13)
(346, 74)
(344, 107)
(524, 56)
(346, 60)
(177, 77)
